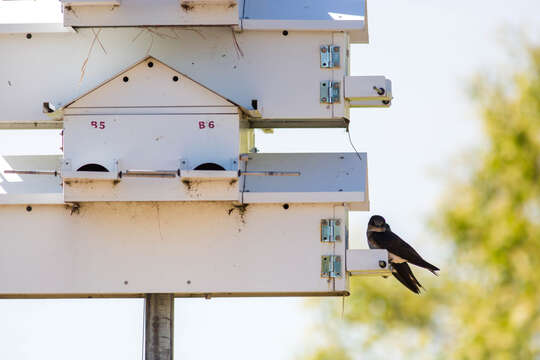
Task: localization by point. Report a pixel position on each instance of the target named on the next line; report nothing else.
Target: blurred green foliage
(486, 303)
(331, 353)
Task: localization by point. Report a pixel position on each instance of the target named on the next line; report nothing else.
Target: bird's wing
(394, 244)
(404, 274)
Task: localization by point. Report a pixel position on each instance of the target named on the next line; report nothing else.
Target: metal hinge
(329, 91)
(329, 56)
(330, 230)
(330, 266)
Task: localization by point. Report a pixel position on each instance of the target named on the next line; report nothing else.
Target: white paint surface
(151, 13)
(183, 248)
(324, 178)
(206, 55)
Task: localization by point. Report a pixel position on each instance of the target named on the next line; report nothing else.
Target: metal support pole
(159, 327)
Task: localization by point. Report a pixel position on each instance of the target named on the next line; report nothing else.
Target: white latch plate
(367, 262)
(367, 91)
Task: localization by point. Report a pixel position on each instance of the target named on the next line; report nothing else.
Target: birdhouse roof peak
(149, 83)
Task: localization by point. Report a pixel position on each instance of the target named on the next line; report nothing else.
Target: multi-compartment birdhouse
(159, 187)
(151, 121)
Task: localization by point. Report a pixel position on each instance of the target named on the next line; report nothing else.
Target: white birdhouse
(159, 165)
(151, 121)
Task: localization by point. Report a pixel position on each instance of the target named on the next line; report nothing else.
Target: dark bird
(399, 253)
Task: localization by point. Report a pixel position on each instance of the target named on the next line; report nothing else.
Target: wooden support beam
(159, 327)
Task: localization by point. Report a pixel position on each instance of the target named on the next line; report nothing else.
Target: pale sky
(430, 50)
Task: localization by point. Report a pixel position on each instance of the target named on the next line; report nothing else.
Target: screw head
(382, 264)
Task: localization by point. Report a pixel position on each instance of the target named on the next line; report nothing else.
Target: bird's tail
(423, 263)
(403, 273)
(430, 267)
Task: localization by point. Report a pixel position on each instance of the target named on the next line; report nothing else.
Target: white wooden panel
(353, 93)
(90, 3)
(303, 10)
(321, 180)
(363, 88)
(150, 83)
(127, 249)
(30, 13)
(210, 2)
(31, 198)
(206, 55)
(151, 189)
(305, 197)
(151, 13)
(30, 189)
(325, 177)
(369, 103)
(208, 175)
(34, 28)
(340, 15)
(367, 262)
(151, 110)
(89, 175)
(151, 142)
(302, 25)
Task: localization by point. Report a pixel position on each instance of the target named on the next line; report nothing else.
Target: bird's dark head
(377, 223)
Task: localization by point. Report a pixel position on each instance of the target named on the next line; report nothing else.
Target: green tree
(489, 307)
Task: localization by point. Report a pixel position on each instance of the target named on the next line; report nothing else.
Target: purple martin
(380, 236)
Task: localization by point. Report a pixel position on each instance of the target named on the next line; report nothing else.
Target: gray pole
(159, 327)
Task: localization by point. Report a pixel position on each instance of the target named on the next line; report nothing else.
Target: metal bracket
(330, 230)
(329, 56)
(329, 91)
(330, 266)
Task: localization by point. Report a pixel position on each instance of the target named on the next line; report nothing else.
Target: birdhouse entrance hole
(209, 166)
(93, 167)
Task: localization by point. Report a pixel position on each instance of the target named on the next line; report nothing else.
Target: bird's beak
(376, 228)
